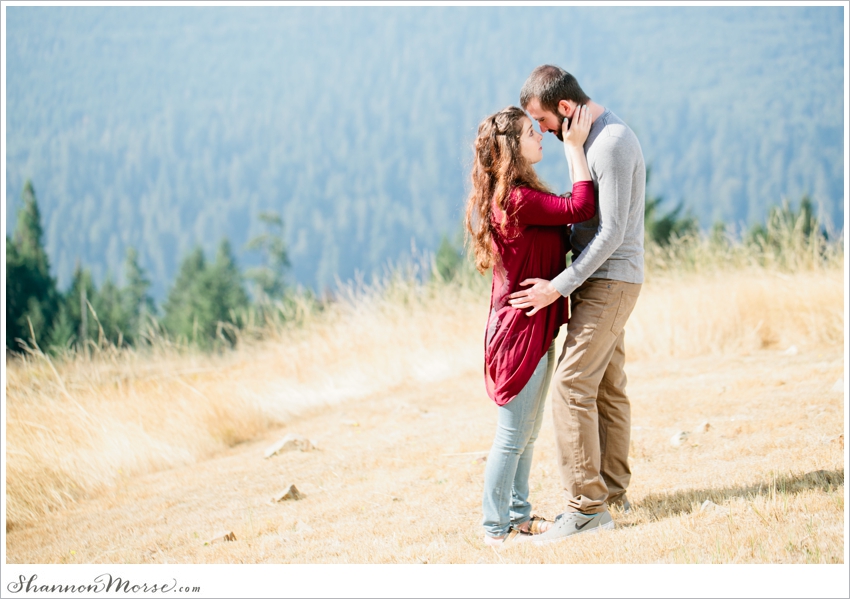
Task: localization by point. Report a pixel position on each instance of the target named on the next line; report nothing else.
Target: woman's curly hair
(498, 168)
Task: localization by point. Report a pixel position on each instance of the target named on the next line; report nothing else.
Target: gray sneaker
(572, 524)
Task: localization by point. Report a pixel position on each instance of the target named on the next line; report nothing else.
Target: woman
(517, 226)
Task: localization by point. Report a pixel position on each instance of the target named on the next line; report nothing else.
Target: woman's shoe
(535, 526)
(514, 536)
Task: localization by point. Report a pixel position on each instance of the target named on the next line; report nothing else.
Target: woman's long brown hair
(499, 167)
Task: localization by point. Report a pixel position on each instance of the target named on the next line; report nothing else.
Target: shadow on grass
(659, 505)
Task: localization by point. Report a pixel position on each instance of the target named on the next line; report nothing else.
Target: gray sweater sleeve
(614, 167)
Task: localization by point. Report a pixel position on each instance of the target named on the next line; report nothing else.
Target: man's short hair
(551, 84)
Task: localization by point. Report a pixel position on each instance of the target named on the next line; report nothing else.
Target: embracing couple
(518, 227)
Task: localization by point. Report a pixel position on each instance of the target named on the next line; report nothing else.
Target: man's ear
(565, 109)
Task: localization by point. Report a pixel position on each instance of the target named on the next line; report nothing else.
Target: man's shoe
(574, 523)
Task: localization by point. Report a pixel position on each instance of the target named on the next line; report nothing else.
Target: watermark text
(104, 583)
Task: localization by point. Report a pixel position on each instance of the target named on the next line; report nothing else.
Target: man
(588, 393)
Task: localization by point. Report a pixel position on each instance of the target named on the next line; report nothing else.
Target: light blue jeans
(509, 463)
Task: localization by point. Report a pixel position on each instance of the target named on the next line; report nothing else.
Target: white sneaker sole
(606, 526)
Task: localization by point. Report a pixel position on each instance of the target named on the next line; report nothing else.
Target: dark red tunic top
(534, 246)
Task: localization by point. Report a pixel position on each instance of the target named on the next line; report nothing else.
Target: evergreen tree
(31, 297)
(662, 228)
(186, 305)
(28, 235)
(138, 305)
(447, 260)
(76, 326)
(85, 313)
(108, 310)
(204, 297)
(16, 274)
(268, 279)
(784, 223)
(64, 331)
(226, 291)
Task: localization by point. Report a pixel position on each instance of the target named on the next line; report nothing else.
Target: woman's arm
(575, 135)
(540, 208)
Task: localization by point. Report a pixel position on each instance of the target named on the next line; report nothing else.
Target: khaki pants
(588, 394)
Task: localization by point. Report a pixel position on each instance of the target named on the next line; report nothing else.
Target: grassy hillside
(144, 459)
(80, 424)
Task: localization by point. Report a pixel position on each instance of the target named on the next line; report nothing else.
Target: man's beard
(559, 133)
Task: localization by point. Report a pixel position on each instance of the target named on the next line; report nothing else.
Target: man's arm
(616, 166)
(616, 169)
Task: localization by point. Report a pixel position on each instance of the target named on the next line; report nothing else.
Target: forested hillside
(165, 127)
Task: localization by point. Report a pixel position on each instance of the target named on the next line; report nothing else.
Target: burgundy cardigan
(534, 246)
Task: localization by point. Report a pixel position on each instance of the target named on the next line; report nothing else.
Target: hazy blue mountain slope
(165, 127)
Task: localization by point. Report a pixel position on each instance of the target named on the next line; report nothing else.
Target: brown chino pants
(591, 411)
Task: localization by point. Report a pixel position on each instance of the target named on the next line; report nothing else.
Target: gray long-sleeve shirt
(610, 245)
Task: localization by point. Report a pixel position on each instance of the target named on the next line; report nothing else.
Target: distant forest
(165, 128)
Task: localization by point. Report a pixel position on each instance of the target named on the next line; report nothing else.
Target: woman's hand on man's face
(575, 130)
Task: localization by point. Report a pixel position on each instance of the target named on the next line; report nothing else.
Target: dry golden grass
(396, 481)
(715, 313)
(139, 457)
(81, 424)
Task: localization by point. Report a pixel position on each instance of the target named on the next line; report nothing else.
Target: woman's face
(529, 142)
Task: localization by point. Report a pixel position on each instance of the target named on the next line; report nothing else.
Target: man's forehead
(534, 109)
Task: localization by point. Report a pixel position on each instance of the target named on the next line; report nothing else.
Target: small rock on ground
(289, 493)
(677, 439)
(221, 537)
(290, 443)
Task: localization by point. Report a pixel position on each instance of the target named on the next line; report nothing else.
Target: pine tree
(31, 296)
(64, 331)
(784, 224)
(77, 314)
(16, 275)
(108, 310)
(186, 306)
(662, 228)
(448, 260)
(28, 235)
(205, 297)
(268, 279)
(226, 290)
(137, 305)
